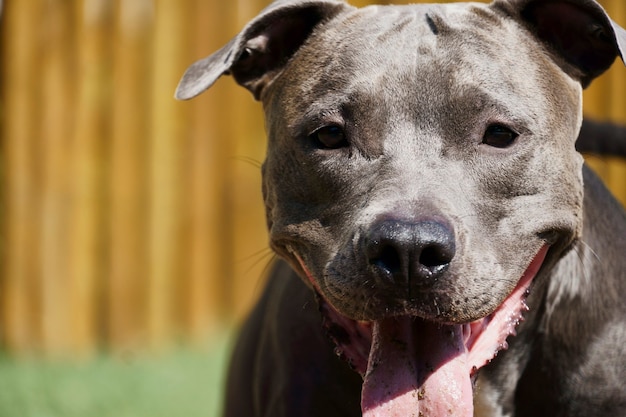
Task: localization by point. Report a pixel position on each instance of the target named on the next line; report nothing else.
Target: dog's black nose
(409, 254)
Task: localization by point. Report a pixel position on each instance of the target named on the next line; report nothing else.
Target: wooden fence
(130, 219)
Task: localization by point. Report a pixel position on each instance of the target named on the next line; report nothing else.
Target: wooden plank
(209, 248)
(91, 136)
(169, 124)
(125, 302)
(21, 89)
(55, 137)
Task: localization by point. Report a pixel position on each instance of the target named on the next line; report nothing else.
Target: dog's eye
(499, 136)
(330, 137)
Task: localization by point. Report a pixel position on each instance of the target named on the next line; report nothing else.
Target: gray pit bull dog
(423, 187)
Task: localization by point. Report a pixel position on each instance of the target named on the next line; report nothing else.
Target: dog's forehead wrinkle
(372, 36)
(361, 50)
(426, 71)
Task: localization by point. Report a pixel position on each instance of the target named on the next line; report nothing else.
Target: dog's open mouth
(413, 367)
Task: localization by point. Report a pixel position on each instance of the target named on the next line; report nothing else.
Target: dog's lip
(510, 313)
(482, 338)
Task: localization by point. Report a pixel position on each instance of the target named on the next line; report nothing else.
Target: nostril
(387, 259)
(434, 256)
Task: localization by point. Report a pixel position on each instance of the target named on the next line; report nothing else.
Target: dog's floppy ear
(579, 33)
(262, 48)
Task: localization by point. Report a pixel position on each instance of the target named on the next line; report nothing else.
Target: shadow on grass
(179, 383)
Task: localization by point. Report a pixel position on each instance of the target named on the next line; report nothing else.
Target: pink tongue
(416, 369)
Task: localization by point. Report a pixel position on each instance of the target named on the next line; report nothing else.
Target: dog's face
(421, 172)
(396, 118)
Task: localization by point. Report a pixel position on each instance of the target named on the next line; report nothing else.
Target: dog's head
(421, 169)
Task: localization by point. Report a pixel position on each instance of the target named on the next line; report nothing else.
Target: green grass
(181, 383)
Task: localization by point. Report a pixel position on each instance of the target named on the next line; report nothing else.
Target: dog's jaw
(413, 365)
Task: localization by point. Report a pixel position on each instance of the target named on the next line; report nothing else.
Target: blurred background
(132, 235)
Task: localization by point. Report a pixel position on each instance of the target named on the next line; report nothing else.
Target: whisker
(593, 252)
(261, 252)
(249, 160)
(261, 256)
